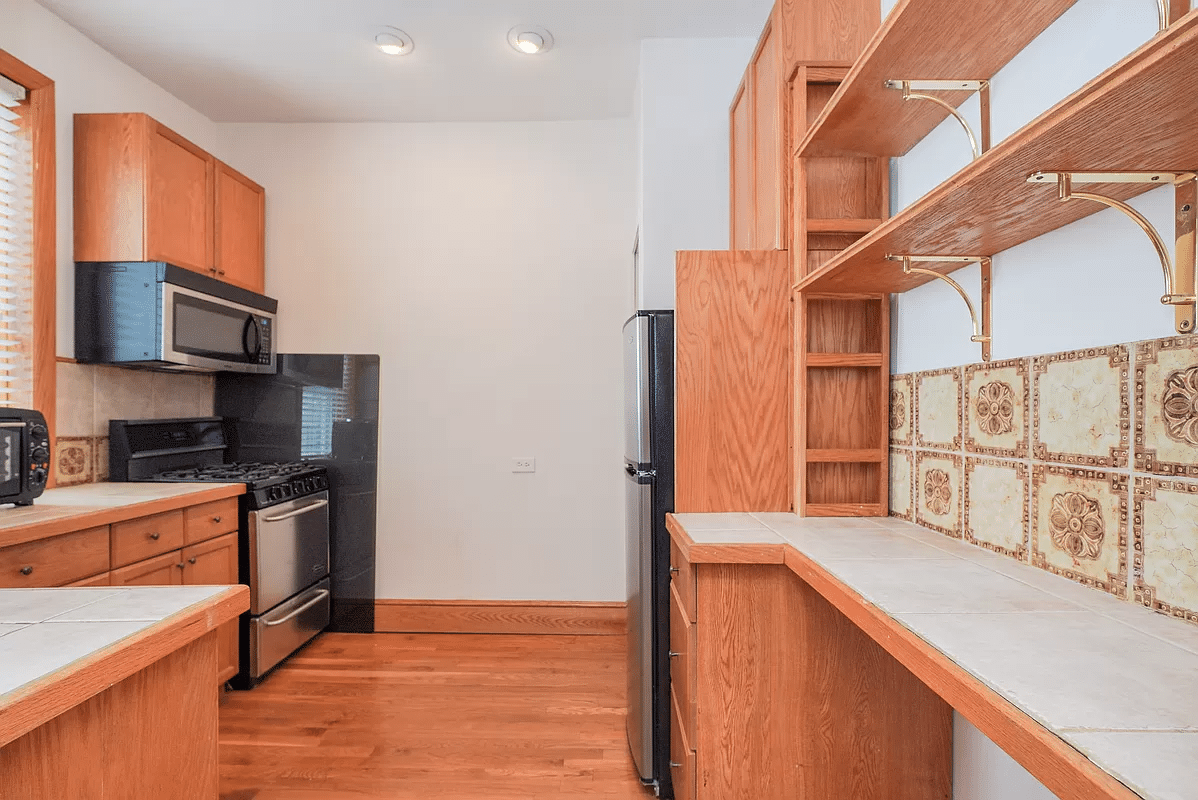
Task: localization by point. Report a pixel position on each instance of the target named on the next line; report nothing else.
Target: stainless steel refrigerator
(649, 482)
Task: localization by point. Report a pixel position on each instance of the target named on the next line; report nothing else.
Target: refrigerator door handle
(640, 473)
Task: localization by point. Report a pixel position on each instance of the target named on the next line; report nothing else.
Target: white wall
(1095, 282)
(488, 265)
(684, 91)
(87, 79)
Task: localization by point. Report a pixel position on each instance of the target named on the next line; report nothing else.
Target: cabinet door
(214, 563)
(240, 229)
(164, 570)
(743, 230)
(767, 147)
(179, 199)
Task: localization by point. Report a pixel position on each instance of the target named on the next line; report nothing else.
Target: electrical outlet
(524, 465)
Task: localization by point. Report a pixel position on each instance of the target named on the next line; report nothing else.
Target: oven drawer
(288, 549)
(277, 634)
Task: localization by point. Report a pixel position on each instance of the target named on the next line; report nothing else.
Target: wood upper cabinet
(240, 229)
(767, 144)
(145, 193)
(744, 201)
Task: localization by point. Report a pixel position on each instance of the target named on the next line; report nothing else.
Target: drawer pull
(26, 570)
(180, 565)
(675, 765)
(673, 570)
(155, 535)
(191, 560)
(216, 520)
(674, 655)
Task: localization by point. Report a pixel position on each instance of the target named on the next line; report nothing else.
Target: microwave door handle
(251, 324)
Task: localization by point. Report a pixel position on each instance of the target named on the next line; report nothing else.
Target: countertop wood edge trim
(36, 703)
(735, 553)
(1050, 759)
(96, 516)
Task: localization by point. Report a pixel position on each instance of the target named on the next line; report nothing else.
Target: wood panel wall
(733, 383)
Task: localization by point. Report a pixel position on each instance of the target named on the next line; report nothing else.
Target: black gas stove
(194, 450)
(266, 484)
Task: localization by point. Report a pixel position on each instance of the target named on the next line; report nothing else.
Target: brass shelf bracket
(915, 90)
(1179, 270)
(981, 327)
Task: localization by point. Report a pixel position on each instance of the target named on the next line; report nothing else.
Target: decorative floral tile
(1167, 406)
(902, 409)
(938, 409)
(938, 492)
(73, 460)
(996, 408)
(900, 484)
(1082, 412)
(996, 506)
(1079, 525)
(1165, 539)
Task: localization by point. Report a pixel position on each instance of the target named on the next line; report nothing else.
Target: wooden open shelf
(923, 40)
(1137, 116)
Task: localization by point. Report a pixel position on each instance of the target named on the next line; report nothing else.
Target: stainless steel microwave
(159, 316)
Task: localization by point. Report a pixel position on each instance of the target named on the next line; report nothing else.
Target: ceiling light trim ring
(393, 41)
(530, 40)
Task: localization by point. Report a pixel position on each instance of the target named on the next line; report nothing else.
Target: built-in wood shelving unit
(1137, 116)
(922, 40)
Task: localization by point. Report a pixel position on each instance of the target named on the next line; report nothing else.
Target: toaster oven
(24, 455)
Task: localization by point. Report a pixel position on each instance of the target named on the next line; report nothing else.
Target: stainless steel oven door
(289, 549)
(285, 629)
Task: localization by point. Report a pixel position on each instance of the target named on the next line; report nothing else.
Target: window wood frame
(39, 110)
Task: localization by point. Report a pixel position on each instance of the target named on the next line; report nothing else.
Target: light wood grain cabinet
(56, 560)
(790, 698)
(145, 193)
(214, 562)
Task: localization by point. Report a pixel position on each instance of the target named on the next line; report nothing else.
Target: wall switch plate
(524, 465)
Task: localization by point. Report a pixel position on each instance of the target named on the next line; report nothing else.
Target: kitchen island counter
(111, 692)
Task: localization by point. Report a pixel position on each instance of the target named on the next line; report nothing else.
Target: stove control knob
(40, 454)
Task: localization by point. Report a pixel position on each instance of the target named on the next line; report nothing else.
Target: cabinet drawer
(683, 577)
(209, 520)
(146, 537)
(55, 561)
(682, 757)
(682, 662)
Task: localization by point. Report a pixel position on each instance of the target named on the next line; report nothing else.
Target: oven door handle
(322, 594)
(297, 512)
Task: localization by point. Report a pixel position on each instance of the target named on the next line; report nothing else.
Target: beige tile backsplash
(1084, 464)
(89, 396)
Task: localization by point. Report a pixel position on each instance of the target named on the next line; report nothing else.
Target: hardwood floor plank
(438, 716)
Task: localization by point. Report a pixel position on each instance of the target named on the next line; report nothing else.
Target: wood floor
(452, 717)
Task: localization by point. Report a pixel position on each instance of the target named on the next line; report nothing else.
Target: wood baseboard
(499, 616)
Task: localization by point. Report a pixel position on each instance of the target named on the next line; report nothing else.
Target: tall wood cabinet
(798, 32)
(145, 193)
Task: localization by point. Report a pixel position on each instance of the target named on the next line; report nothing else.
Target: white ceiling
(314, 60)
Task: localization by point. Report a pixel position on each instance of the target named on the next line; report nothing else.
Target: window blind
(16, 250)
(320, 406)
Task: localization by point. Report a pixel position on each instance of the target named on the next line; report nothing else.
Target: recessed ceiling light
(393, 42)
(530, 39)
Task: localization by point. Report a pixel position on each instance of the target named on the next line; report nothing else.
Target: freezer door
(636, 391)
(639, 531)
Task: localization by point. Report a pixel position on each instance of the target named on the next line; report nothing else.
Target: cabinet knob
(673, 570)
(26, 570)
(675, 765)
(191, 560)
(180, 565)
(155, 535)
(216, 519)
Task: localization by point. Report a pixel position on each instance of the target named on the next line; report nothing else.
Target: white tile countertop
(1113, 680)
(49, 636)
